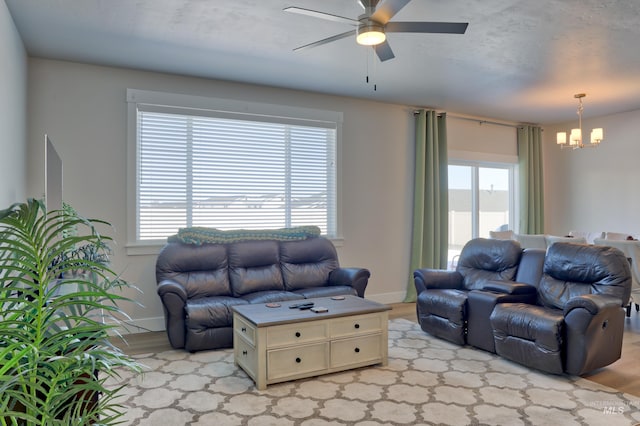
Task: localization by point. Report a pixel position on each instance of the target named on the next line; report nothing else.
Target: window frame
(180, 103)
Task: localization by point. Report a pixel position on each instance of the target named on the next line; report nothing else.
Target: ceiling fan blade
(350, 33)
(387, 10)
(384, 52)
(321, 15)
(427, 27)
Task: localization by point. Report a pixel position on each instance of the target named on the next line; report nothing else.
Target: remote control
(301, 305)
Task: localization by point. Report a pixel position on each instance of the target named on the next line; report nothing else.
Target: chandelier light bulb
(575, 137)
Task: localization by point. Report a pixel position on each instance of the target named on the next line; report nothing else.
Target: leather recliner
(577, 323)
(442, 302)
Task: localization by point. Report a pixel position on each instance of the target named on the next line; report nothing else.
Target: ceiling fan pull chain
(375, 68)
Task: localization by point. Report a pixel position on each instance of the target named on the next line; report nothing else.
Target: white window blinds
(231, 171)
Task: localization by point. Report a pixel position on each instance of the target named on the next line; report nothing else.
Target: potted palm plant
(59, 300)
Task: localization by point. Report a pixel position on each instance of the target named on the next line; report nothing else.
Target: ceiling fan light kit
(373, 26)
(370, 34)
(575, 137)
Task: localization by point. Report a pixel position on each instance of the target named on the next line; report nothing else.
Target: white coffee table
(277, 344)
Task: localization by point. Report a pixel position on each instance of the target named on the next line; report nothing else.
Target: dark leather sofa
(560, 310)
(199, 283)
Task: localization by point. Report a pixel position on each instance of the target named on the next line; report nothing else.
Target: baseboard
(142, 325)
(387, 298)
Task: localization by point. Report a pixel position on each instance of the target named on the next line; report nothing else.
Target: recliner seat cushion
(443, 313)
(529, 334)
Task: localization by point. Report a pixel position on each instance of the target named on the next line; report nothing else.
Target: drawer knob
(357, 325)
(244, 329)
(357, 350)
(244, 353)
(298, 360)
(298, 334)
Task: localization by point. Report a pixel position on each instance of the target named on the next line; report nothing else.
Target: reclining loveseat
(199, 282)
(558, 311)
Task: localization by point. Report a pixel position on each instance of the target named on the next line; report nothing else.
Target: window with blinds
(231, 170)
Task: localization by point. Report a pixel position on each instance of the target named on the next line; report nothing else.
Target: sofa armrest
(167, 287)
(358, 278)
(174, 300)
(593, 303)
(509, 287)
(436, 279)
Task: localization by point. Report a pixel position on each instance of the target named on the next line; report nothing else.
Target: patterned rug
(427, 382)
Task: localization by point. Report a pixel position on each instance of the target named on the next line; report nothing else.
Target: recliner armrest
(168, 286)
(436, 279)
(509, 287)
(174, 299)
(358, 278)
(593, 303)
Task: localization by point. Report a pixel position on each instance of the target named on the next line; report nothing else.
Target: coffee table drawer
(246, 356)
(297, 361)
(307, 332)
(356, 350)
(243, 328)
(353, 325)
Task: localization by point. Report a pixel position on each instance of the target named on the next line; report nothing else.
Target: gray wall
(13, 114)
(594, 189)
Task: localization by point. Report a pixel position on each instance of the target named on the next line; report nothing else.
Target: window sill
(152, 248)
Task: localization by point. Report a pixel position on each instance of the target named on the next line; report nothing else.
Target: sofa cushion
(208, 312)
(201, 270)
(271, 296)
(307, 263)
(254, 266)
(334, 290)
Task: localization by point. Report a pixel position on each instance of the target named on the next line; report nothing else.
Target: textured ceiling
(519, 60)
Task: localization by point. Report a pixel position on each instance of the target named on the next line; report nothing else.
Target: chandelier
(575, 137)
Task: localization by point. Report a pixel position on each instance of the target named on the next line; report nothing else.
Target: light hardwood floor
(623, 375)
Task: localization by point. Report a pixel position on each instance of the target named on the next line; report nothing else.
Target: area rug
(427, 382)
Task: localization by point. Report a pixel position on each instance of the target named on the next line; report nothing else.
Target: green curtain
(531, 180)
(429, 243)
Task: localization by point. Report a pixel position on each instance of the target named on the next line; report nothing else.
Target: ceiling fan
(373, 24)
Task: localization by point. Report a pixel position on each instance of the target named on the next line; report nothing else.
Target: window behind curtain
(232, 170)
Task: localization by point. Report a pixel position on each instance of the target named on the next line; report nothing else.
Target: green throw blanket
(200, 235)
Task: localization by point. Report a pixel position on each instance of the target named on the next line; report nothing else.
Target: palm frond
(58, 301)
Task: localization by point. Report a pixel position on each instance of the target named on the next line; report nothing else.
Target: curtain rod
(479, 121)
